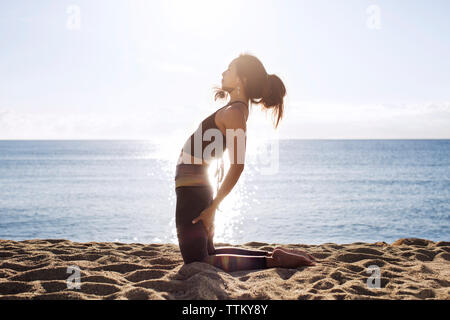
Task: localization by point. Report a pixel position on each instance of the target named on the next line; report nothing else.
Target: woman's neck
(236, 98)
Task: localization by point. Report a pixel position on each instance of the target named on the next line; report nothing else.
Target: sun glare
(229, 217)
(229, 220)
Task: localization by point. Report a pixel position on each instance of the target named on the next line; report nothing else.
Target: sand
(38, 269)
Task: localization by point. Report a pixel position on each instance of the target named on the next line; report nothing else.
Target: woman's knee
(196, 259)
(190, 256)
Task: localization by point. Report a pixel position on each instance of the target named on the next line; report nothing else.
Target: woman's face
(230, 80)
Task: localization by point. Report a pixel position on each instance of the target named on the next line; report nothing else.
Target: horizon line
(304, 139)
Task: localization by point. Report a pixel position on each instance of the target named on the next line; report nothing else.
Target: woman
(244, 81)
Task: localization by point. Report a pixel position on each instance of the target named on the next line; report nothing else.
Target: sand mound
(43, 269)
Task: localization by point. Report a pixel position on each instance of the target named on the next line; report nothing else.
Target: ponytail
(272, 98)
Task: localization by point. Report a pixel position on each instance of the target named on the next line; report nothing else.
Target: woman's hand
(207, 216)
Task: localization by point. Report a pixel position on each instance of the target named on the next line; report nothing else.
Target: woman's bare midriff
(186, 158)
(187, 173)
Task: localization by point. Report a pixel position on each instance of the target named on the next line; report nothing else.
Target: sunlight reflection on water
(325, 191)
(229, 218)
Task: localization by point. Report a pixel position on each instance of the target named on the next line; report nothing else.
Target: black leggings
(193, 238)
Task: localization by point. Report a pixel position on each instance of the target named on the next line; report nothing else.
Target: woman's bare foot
(285, 259)
(297, 251)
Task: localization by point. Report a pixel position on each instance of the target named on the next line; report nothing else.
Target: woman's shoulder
(235, 110)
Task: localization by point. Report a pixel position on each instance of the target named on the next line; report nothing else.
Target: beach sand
(38, 269)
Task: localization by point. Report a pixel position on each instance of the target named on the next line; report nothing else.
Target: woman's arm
(235, 124)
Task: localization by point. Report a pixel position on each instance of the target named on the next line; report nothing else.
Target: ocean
(299, 191)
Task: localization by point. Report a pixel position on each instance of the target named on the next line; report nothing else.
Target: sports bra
(207, 132)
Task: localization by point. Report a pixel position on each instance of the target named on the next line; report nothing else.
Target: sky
(112, 69)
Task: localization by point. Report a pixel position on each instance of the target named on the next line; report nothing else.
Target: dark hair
(261, 88)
